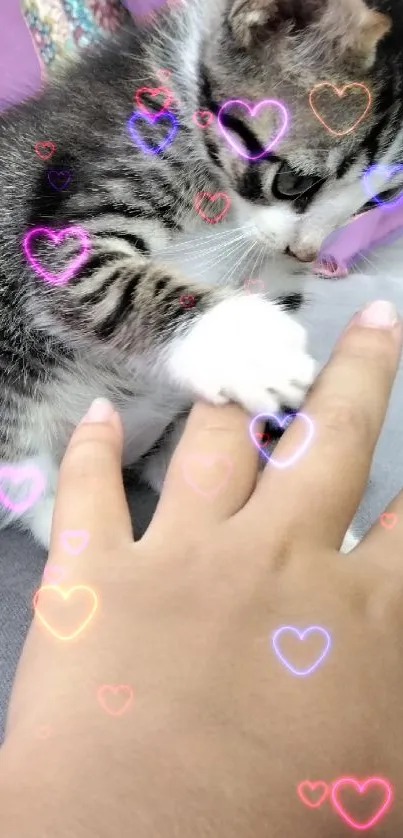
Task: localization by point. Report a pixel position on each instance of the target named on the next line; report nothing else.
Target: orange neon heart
(340, 92)
(66, 595)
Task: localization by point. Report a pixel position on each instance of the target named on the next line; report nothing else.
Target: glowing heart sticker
(58, 178)
(57, 238)
(74, 541)
(282, 423)
(202, 118)
(207, 474)
(313, 794)
(115, 699)
(50, 611)
(340, 92)
(320, 632)
(254, 286)
(209, 201)
(44, 149)
(388, 520)
(382, 801)
(253, 111)
(152, 119)
(187, 300)
(17, 498)
(54, 573)
(153, 92)
(386, 172)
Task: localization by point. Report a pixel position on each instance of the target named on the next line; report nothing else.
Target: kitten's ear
(372, 28)
(351, 22)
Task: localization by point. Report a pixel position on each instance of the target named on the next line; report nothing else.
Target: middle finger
(317, 495)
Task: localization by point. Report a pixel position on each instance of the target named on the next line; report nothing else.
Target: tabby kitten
(119, 327)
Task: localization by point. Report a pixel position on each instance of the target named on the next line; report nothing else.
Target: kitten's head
(285, 50)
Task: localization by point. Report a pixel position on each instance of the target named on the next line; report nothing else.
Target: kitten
(118, 327)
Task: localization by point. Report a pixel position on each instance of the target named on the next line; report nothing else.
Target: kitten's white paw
(247, 350)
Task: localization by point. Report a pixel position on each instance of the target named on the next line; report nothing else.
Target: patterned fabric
(59, 27)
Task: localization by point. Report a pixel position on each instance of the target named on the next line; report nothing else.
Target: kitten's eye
(288, 184)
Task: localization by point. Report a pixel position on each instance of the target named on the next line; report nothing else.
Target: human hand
(220, 733)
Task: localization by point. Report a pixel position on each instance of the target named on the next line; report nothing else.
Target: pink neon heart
(207, 460)
(56, 238)
(312, 787)
(281, 422)
(361, 788)
(272, 103)
(17, 474)
(53, 574)
(74, 549)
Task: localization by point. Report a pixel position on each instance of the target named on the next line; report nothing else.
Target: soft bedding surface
(380, 276)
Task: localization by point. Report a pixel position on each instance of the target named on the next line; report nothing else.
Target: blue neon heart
(59, 178)
(152, 119)
(388, 171)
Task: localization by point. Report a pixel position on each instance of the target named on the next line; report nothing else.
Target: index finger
(316, 496)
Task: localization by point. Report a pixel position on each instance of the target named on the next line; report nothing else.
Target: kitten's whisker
(216, 261)
(226, 279)
(207, 238)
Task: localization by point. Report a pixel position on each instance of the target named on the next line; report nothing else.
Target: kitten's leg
(229, 346)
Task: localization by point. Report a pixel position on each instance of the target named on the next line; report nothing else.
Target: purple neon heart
(282, 422)
(54, 174)
(301, 636)
(17, 475)
(152, 119)
(272, 103)
(56, 238)
(388, 171)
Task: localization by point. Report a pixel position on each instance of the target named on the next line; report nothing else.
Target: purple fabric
(20, 73)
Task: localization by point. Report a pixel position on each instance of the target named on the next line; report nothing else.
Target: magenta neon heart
(272, 103)
(56, 238)
(82, 537)
(282, 423)
(16, 475)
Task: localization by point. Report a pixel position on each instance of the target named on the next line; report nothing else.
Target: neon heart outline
(253, 111)
(249, 282)
(210, 458)
(34, 474)
(281, 422)
(163, 75)
(58, 171)
(65, 596)
(199, 197)
(52, 568)
(390, 515)
(361, 787)
(342, 90)
(56, 238)
(152, 90)
(44, 143)
(68, 533)
(187, 297)
(394, 202)
(313, 786)
(301, 636)
(115, 688)
(194, 117)
(151, 118)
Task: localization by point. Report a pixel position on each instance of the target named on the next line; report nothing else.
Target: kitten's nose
(303, 255)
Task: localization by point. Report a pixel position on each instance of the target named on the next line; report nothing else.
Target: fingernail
(380, 314)
(101, 410)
